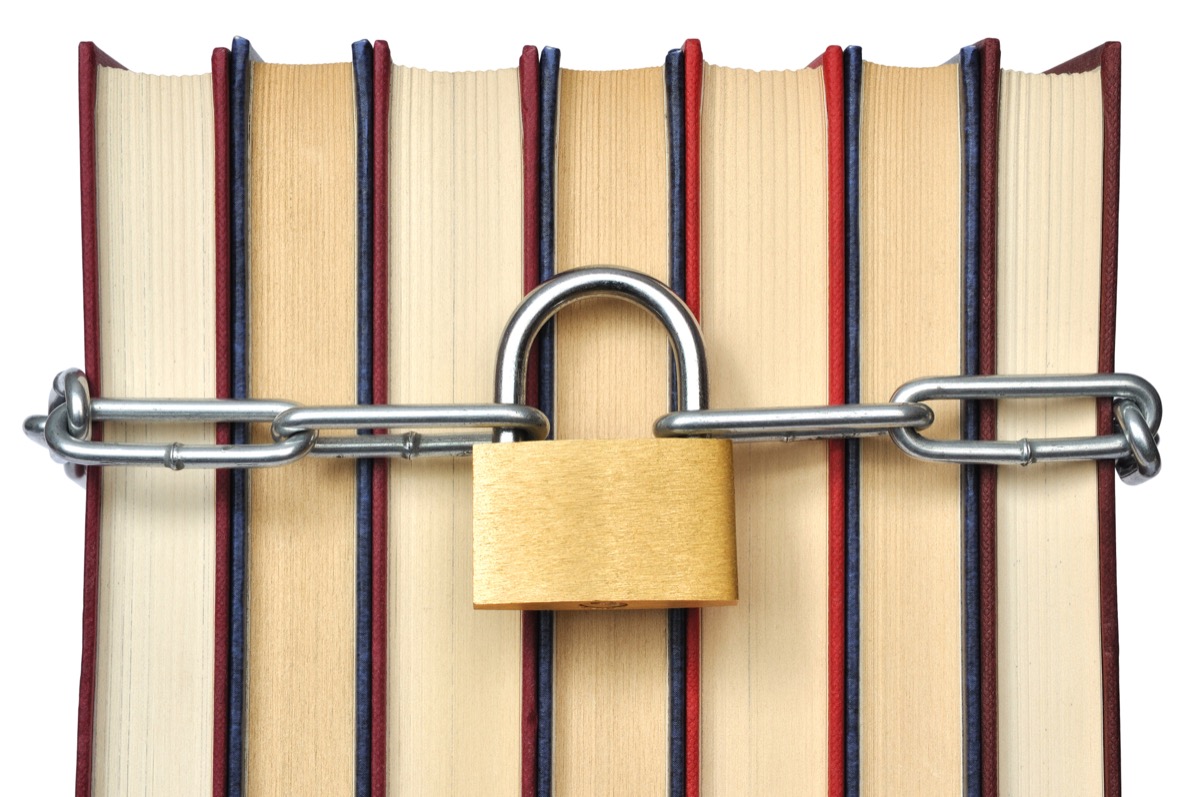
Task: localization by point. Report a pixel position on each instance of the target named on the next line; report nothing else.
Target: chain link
(299, 431)
(1137, 407)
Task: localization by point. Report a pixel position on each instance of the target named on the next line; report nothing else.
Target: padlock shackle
(540, 305)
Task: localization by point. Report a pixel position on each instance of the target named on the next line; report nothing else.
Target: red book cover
(379, 475)
(1107, 57)
(831, 63)
(223, 130)
(835, 88)
(531, 120)
(91, 58)
(693, 77)
(989, 137)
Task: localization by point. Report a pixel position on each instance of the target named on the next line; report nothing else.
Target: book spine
(364, 94)
(91, 58)
(969, 71)
(529, 75)
(379, 392)
(1110, 76)
(693, 75)
(677, 619)
(834, 78)
(853, 101)
(224, 384)
(989, 141)
(241, 56)
(548, 141)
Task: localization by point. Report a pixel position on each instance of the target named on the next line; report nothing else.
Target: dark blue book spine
(364, 95)
(677, 619)
(969, 70)
(853, 78)
(241, 58)
(547, 159)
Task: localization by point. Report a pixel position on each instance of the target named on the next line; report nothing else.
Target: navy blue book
(300, 618)
(912, 202)
(612, 191)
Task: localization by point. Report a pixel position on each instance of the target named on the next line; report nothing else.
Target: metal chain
(298, 431)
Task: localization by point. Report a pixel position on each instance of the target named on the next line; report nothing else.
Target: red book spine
(90, 59)
(989, 136)
(222, 127)
(379, 474)
(528, 73)
(693, 75)
(831, 63)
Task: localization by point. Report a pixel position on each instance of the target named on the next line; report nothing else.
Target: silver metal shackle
(540, 305)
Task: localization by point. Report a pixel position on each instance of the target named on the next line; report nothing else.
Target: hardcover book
(452, 177)
(1050, 537)
(153, 680)
(301, 537)
(911, 266)
(772, 299)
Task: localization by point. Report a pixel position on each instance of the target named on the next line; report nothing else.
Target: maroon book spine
(379, 474)
(528, 75)
(91, 58)
(693, 76)
(989, 138)
(222, 128)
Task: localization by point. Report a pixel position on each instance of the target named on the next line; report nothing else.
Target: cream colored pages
(611, 361)
(765, 309)
(157, 308)
(455, 275)
(301, 529)
(911, 672)
(1048, 316)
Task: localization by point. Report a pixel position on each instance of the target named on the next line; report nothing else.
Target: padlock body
(604, 524)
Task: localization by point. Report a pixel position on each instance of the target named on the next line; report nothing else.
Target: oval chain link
(297, 430)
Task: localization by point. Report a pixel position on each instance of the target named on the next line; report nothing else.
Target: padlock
(603, 524)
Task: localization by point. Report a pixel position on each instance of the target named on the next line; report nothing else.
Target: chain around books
(297, 431)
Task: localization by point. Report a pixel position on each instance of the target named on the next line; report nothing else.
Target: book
(300, 711)
(613, 688)
(1049, 559)
(153, 151)
(772, 297)
(912, 718)
(455, 187)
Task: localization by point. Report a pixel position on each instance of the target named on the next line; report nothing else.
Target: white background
(41, 557)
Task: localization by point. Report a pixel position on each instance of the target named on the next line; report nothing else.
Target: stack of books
(360, 233)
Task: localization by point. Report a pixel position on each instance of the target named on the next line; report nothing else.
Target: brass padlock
(603, 524)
